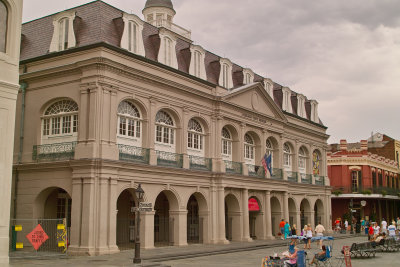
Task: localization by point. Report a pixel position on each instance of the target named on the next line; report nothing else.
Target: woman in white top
(309, 236)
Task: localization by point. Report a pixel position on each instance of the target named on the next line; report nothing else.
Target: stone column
(76, 214)
(112, 219)
(214, 213)
(298, 222)
(245, 215)
(268, 219)
(147, 229)
(221, 215)
(151, 131)
(312, 219)
(285, 206)
(180, 227)
(183, 144)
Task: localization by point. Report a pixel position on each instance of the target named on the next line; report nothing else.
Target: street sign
(37, 237)
(145, 206)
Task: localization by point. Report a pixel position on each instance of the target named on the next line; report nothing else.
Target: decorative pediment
(253, 96)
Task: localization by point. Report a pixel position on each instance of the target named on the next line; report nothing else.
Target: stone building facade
(10, 32)
(358, 175)
(114, 101)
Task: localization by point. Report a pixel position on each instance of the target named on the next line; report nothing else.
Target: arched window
(226, 143)
(133, 33)
(3, 26)
(63, 34)
(60, 120)
(195, 135)
(165, 130)
(269, 150)
(248, 147)
(302, 160)
(129, 124)
(287, 157)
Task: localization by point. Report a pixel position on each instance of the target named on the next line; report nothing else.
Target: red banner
(253, 205)
(37, 237)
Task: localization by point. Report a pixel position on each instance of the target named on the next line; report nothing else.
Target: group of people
(306, 232)
(286, 229)
(374, 230)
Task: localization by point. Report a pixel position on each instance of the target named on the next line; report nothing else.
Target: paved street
(166, 256)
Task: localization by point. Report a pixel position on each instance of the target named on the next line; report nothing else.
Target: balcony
(54, 152)
(168, 159)
(366, 191)
(319, 180)
(306, 178)
(172, 26)
(199, 163)
(277, 174)
(256, 171)
(292, 176)
(233, 167)
(133, 154)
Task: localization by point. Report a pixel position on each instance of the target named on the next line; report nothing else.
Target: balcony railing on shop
(366, 190)
(233, 167)
(256, 171)
(54, 152)
(134, 154)
(277, 174)
(319, 180)
(306, 178)
(200, 163)
(168, 159)
(291, 176)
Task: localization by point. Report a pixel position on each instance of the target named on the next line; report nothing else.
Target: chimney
(364, 145)
(343, 145)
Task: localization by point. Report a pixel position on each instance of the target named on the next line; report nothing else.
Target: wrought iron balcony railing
(200, 163)
(134, 154)
(319, 180)
(168, 159)
(306, 178)
(233, 167)
(54, 152)
(291, 176)
(366, 190)
(256, 171)
(277, 174)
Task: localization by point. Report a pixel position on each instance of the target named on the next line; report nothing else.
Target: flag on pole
(266, 162)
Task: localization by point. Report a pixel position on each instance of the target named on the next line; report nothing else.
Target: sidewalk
(153, 257)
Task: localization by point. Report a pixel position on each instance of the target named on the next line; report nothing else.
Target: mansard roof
(159, 3)
(100, 23)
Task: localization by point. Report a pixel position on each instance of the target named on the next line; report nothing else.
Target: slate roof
(158, 3)
(99, 22)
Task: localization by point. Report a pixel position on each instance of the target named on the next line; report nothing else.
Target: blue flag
(266, 162)
(269, 163)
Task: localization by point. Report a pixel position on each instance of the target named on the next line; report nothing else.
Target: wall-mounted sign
(253, 205)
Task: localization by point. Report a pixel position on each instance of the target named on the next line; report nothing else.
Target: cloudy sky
(344, 53)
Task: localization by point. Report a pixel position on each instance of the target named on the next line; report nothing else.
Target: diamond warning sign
(37, 237)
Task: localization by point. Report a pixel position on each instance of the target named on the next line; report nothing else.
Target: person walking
(319, 230)
(371, 232)
(377, 229)
(392, 229)
(282, 228)
(309, 236)
(294, 230)
(346, 224)
(287, 229)
(398, 223)
(384, 225)
(304, 234)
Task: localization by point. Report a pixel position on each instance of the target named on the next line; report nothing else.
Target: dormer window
(3, 28)
(286, 101)
(301, 108)
(225, 77)
(63, 34)
(268, 86)
(248, 76)
(314, 111)
(197, 67)
(132, 39)
(167, 53)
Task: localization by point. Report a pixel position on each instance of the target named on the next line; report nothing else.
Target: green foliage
(383, 192)
(337, 192)
(366, 192)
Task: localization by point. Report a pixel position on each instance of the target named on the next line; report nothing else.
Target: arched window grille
(195, 135)
(287, 157)
(226, 142)
(165, 130)
(60, 119)
(129, 124)
(248, 147)
(3, 26)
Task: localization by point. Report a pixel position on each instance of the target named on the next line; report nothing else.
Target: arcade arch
(233, 230)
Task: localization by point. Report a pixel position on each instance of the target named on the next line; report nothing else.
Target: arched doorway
(161, 221)
(193, 227)
(232, 218)
(276, 215)
(305, 211)
(53, 203)
(255, 218)
(126, 220)
(319, 213)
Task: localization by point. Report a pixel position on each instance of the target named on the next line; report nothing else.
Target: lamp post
(139, 195)
(351, 217)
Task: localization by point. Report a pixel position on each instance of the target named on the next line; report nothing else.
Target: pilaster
(268, 217)
(245, 215)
